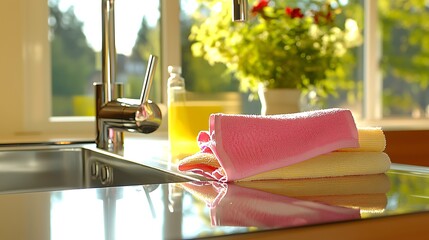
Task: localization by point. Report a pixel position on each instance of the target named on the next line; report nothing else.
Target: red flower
(294, 12)
(325, 16)
(259, 6)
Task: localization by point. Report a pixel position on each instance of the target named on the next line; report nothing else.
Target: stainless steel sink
(27, 169)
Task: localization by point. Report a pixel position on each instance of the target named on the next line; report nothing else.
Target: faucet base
(122, 114)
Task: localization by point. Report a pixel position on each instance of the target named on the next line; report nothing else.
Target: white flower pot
(279, 101)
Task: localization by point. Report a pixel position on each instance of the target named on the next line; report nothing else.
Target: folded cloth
(246, 145)
(332, 164)
(371, 139)
(239, 206)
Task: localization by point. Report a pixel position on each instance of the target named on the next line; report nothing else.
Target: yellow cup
(185, 121)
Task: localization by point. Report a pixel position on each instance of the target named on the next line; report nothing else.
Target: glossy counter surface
(209, 209)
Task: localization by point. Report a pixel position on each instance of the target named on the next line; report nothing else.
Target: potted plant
(279, 47)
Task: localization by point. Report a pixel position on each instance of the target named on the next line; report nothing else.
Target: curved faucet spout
(239, 10)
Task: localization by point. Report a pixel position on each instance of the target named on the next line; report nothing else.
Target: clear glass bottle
(176, 85)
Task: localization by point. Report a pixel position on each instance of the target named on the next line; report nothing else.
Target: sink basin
(51, 168)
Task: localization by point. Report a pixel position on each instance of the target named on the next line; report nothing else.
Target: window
(389, 71)
(391, 90)
(75, 41)
(64, 55)
(404, 59)
(403, 92)
(395, 71)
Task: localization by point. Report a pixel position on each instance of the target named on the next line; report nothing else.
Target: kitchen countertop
(393, 205)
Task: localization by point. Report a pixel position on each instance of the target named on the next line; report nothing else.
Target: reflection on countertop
(210, 209)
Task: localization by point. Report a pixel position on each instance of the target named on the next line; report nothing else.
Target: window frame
(372, 112)
(37, 79)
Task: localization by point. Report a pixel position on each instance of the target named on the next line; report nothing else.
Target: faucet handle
(147, 83)
(148, 114)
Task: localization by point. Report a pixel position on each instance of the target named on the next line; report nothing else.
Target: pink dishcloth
(249, 144)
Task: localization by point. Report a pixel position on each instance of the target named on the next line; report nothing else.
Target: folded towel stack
(323, 143)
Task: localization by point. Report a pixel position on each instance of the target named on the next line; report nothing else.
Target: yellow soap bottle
(181, 135)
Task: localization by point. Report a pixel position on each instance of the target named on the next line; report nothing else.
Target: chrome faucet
(239, 10)
(115, 114)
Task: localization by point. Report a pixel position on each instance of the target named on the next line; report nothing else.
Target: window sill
(396, 124)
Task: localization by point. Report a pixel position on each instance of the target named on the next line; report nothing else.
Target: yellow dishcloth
(334, 164)
(371, 139)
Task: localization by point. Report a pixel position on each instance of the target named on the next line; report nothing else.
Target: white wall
(11, 68)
